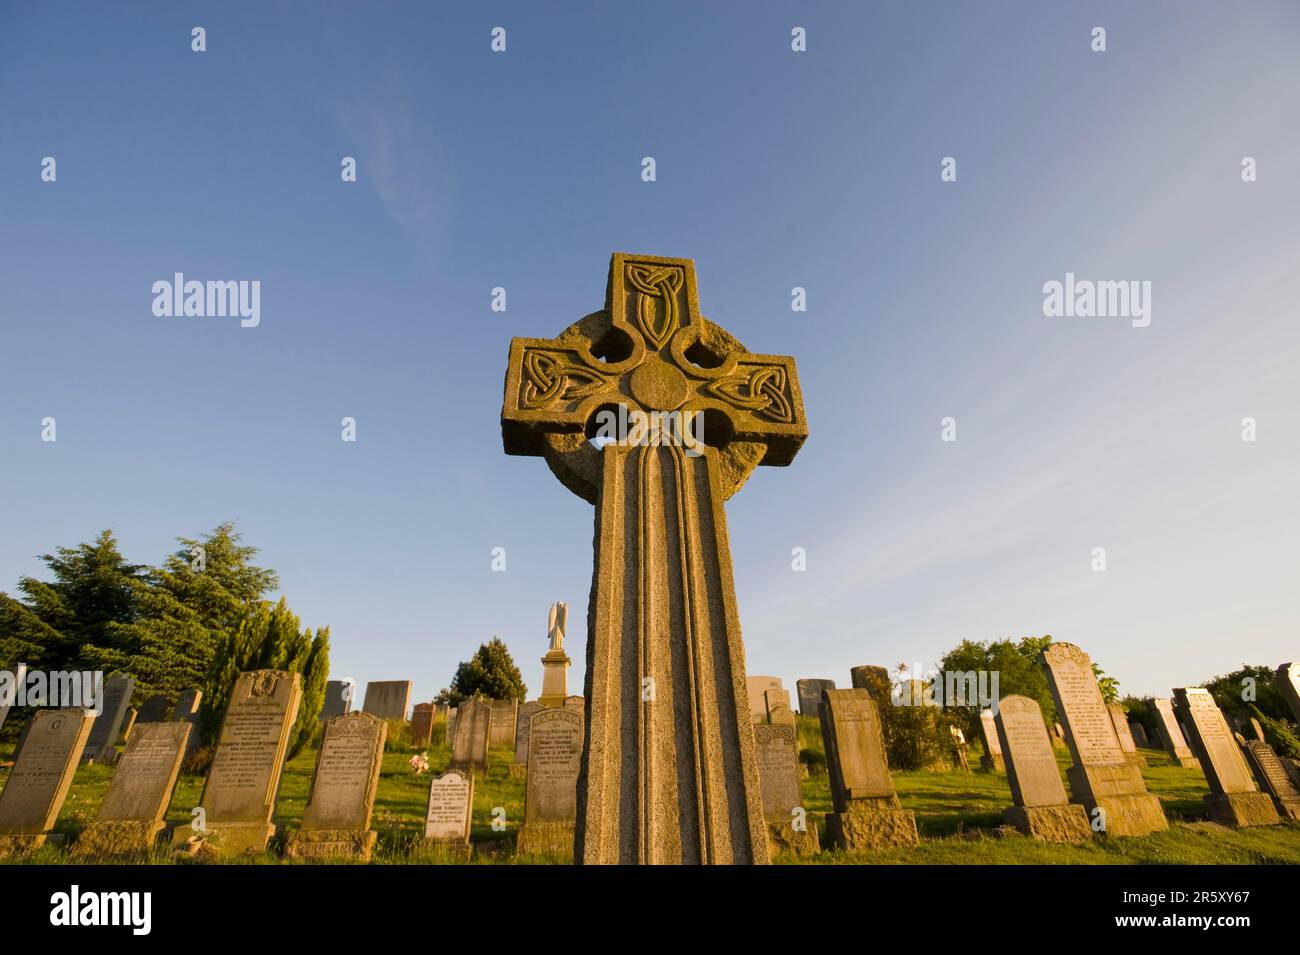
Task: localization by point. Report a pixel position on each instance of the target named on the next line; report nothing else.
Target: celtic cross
(668, 770)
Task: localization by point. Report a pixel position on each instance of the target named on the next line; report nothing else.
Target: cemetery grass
(958, 816)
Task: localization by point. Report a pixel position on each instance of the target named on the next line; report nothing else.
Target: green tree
(1230, 692)
(1018, 670)
(491, 673)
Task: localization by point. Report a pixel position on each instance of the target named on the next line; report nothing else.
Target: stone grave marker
(1171, 736)
(10, 681)
(756, 687)
(1139, 734)
(156, 709)
(868, 814)
(501, 728)
(551, 796)
(1102, 780)
(522, 726)
(1127, 745)
(1039, 805)
(39, 780)
(575, 703)
(1234, 799)
(240, 792)
(992, 760)
(469, 749)
(777, 748)
(1288, 684)
(388, 699)
(684, 786)
(1274, 778)
(116, 699)
(336, 823)
(447, 822)
(777, 704)
(422, 724)
(187, 711)
(338, 699)
(809, 692)
(128, 724)
(130, 818)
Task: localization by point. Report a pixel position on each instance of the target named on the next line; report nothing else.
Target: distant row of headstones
(237, 808)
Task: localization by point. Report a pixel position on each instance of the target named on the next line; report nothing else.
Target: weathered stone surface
(522, 726)
(116, 698)
(469, 749)
(1040, 808)
(240, 792)
(41, 775)
(992, 760)
(1127, 745)
(1234, 799)
(338, 699)
(128, 724)
(451, 801)
(1139, 734)
(1106, 784)
(10, 681)
(1288, 684)
(868, 814)
(156, 709)
(187, 711)
(756, 688)
(342, 800)
(1274, 778)
(130, 818)
(551, 796)
(777, 704)
(668, 772)
(809, 692)
(502, 719)
(578, 703)
(422, 724)
(388, 699)
(1172, 740)
(555, 664)
(777, 747)
(874, 679)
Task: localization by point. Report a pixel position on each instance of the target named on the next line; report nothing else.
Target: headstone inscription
(1274, 778)
(1234, 799)
(41, 775)
(336, 823)
(551, 797)
(447, 821)
(777, 747)
(1039, 805)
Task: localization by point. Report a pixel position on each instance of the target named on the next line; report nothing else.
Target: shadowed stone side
(1067, 822)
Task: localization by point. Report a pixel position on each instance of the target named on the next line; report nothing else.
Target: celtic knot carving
(550, 377)
(656, 283)
(762, 391)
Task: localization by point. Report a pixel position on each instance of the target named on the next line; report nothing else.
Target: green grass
(958, 816)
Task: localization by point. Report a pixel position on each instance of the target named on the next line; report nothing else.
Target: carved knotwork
(760, 390)
(656, 284)
(550, 376)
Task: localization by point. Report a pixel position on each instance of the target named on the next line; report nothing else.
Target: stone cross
(668, 771)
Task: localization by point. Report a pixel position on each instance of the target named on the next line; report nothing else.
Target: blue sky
(775, 169)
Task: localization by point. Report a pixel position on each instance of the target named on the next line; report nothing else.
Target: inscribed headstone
(41, 775)
(1234, 799)
(1039, 805)
(342, 801)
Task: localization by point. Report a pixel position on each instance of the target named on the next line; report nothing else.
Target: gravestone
(522, 726)
(777, 705)
(868, 814)
(39, 780)
(1106, 784)
(1127, 745)
(810, 695)
(130, 818)
(870, 678)
(10, 681)
(187, 711)
(575, 703)
(156, 709)
(960, 748)
(668, 772)
(422, 724)
(992, 760)
(1058, 736)
(501, 729)
(1039, 805)
(239, 795)
(128, 724)
(447, 822)
(1171, 736)
(469, 750)
(1256, 729)
(1274, 778)
(551, 796)
(1234, 799)
(1139, 734)
(338, 699)
(555, 664)
(777, 748)
(388, 699)
(336, 823)
(756, 688)
(451, 725)
(1288, 684)
(116, 698)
